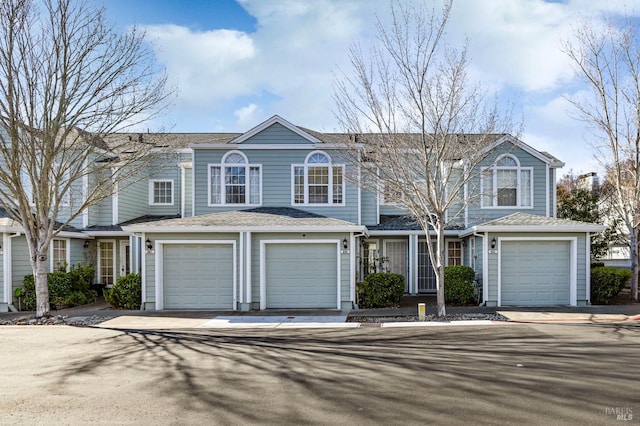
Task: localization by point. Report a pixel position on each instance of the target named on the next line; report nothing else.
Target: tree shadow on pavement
(484, 375)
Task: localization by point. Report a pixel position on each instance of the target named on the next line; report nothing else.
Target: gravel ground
(430, 317)
(56, 320)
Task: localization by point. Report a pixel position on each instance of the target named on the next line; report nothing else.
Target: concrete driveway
(512, 374)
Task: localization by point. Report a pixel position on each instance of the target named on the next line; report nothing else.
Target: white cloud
(204, 65)
(248, 115)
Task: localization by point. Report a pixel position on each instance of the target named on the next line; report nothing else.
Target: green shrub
(71, 288)
(381, 290)
(458, 285)
(126, 293)
(607, 282)
(81, 278)
(59, 286)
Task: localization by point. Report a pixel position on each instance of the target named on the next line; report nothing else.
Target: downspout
(8, 273)
(485, 262)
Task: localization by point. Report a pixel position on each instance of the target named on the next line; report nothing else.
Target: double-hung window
(507, 184)
(59, 255)
(161, 192)
(235, 181)
(318, 181)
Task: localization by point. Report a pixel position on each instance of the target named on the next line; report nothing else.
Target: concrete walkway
(403, 316)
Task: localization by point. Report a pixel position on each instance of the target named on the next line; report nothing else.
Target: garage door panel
(198, 276)
(535, 272)
(301, 275)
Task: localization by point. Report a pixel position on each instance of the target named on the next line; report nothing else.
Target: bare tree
(67, 79)
(421, 129)
(606, 57)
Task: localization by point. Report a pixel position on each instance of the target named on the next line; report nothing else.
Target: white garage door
(301, 275)
(198, 276)
(535, 273)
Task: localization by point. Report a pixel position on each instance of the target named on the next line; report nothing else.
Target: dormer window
(318, 181)
(506, 184)
(234, 181)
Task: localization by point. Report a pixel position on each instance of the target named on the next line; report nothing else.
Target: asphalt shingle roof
(277, 217)
(526, 219)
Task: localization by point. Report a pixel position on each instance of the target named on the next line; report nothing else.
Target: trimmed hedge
(607, 282)
(380, 290)
(126, 293)
(458, 285)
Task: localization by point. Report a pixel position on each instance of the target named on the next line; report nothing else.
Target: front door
(125, 258)
(396, 253)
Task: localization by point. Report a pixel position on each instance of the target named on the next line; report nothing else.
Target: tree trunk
(633, 253)
(440, 269)
(41, 282)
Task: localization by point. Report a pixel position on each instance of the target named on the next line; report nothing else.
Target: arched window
(507, 184)
(318, 181)
(234, 181)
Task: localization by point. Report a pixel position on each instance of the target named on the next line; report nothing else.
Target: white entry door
(125, 258)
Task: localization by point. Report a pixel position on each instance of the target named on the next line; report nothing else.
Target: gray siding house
(267, 219)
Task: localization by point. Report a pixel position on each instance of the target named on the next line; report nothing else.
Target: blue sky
(236, 63)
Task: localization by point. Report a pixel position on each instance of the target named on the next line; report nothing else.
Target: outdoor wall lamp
(1, 252)
(493, 244)
(345, 244)
(149, 245)
(85, 244)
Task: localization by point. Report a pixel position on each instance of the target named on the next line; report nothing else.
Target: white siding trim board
(573, 263)
(263, 269)
(159, 284)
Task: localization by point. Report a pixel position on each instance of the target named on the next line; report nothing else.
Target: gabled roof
(525, 222)
(264, 219)
(275, 119)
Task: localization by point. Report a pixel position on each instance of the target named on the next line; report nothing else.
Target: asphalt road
(498, 374)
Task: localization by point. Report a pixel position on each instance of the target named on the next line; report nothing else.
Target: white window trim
(223, 195)
(518, 168)
(152, 183)
(52, 266)
(306, 166)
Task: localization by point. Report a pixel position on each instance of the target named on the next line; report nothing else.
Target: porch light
(148, 245)
(85, 245)
(1, 252)
(493, 244)
(345, 244)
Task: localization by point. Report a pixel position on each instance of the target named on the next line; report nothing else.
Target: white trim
(6, 268)
(352, 269)
(263, 266)
(587, 238)
(143, 270)
(573, 263)
(523, 146)
(159, 284)
(275, 147)
(152, 183)
(485, 267)
(241, 268)
(67, 254)
(267, 123)
(413, 265)
(183, 195)
(248, 287)
(193, 185)
(546, 196)
(555, 195)
(533, 228)
(115, 204)
(284, 229)
(359, 189)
